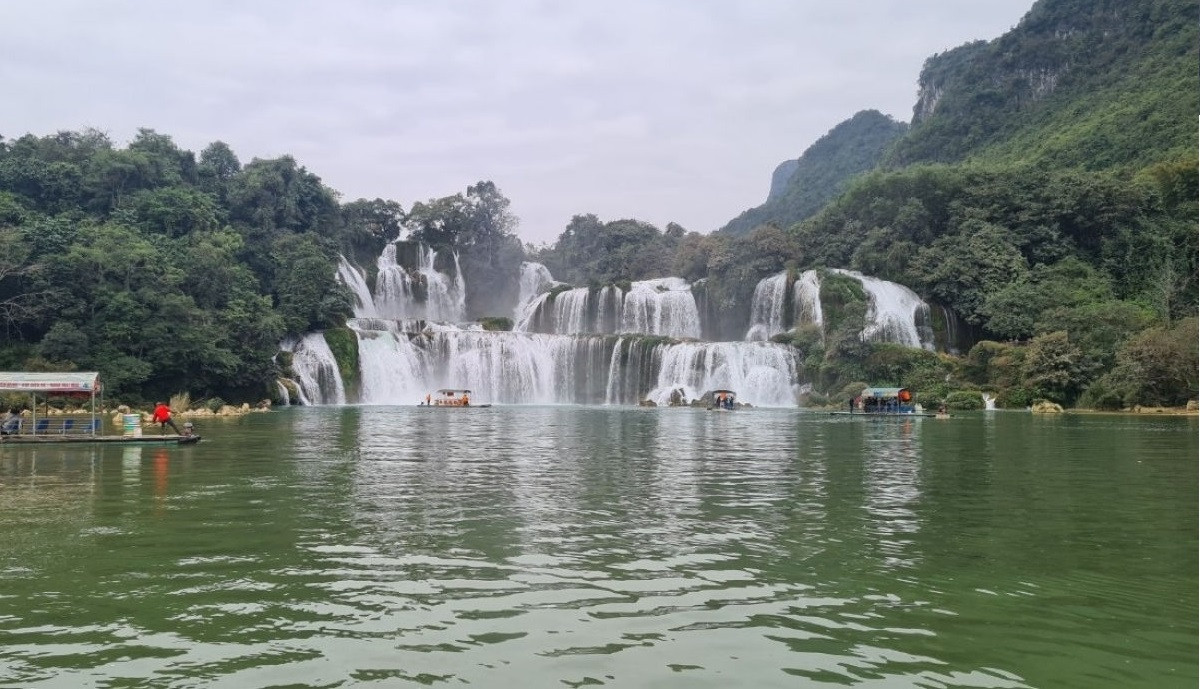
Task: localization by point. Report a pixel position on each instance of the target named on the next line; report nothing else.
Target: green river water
(580, 546)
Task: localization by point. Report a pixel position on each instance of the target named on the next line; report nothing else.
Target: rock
(1192, 405)
(1046, 407)
(647, 403)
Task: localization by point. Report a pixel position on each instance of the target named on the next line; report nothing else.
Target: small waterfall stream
(317, 377)
(766, 308)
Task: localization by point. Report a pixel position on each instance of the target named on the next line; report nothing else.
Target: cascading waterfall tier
(664, 306)
(316, 371)
(534, 279)
(766, 308)
(571, 346)
(419, 291)
(894, 312)
(400, 367)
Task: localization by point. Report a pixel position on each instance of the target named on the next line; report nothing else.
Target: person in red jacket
(162, 416)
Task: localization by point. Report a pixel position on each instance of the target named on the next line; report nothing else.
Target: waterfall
(445, 298)
(807, 299)
(284, 397)
(895, 313)
(352, 277)
(317, 377)
(599, 345)
(510, 368)
(420, 292)
(763, 374)
(664, 306)
(530, 368)
(661, 307)
(766, 308)
(989, 402)
(535, 278)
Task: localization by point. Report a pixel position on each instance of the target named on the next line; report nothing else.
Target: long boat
(56, 439)
(450, 398)
(722, 400)
(886, 402)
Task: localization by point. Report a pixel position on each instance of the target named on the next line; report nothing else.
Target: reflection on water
(623, 547)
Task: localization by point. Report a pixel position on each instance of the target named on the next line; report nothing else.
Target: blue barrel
(132, 424)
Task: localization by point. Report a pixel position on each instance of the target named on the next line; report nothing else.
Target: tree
(1158, 366)
(1052, 367)
(308, 296)
(963, 270)
(22, 299)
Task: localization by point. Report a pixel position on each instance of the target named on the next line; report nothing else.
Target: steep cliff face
(1078, 83)
(799, 188)
(780, 178)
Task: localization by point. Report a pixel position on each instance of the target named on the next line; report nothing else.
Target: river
(548, 546)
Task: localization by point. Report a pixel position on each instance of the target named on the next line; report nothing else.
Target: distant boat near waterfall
(450, 398)
(722, 400)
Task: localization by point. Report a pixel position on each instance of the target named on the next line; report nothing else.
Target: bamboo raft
(60, 439)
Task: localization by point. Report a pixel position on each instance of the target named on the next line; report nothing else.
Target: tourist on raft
(162, 416)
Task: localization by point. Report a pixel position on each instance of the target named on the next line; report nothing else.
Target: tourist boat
(450, 398)
(884, 402)
(722, 400)
(84, 427)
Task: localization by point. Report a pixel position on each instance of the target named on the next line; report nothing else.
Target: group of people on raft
(447, 398)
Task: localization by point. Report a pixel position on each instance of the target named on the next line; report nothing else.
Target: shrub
(964, 400)
(496, 323)
(1102, 395)
(1015, 398)
(343, 344)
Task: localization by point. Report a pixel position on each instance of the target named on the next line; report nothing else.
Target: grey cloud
(661, 110)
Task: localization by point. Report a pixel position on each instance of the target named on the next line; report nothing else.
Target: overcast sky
(657, 110)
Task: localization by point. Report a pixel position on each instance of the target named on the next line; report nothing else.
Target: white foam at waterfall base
(892, 312)
(762, 374)
(393, 370)
(499, 367)
(317, 377)
(766, 308)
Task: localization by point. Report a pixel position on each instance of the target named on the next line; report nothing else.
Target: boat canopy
(23, 381)
(901, 394)
(34, 382)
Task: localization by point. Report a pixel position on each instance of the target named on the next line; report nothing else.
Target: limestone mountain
(800, 187)
(1084, 84)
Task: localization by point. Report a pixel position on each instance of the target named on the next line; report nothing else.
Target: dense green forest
(1045, 193)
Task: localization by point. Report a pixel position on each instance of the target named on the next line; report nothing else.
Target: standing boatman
(162, 417)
